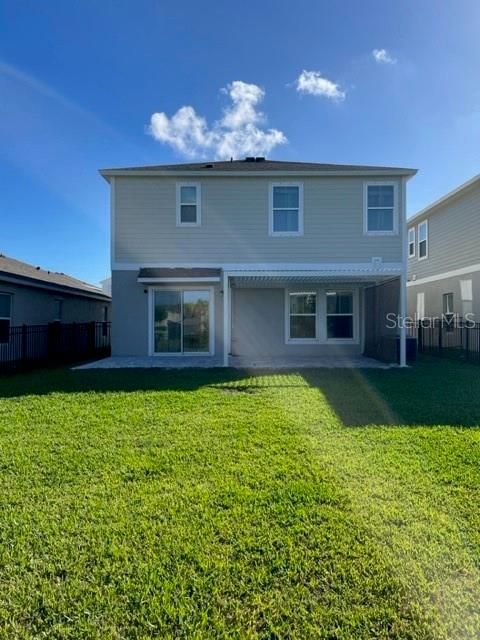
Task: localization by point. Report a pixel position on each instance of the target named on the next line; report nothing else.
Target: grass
(224, 504)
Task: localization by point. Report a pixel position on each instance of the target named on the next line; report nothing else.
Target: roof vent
(260, 159)
(250, 159)
(209, 166)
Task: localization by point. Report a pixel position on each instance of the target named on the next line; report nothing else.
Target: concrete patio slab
(161, 362)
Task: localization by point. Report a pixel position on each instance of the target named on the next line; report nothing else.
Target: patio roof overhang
(326, 275)
(258, 281)
(152, 275)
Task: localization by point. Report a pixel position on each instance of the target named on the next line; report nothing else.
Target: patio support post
(227, 322)
(403, 314)
(403, 278)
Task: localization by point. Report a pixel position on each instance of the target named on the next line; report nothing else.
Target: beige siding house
(444, 256)
(256, 258)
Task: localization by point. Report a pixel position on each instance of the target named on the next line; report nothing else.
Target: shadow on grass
(433, 392)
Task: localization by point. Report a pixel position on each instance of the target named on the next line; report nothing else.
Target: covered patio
(336, 316)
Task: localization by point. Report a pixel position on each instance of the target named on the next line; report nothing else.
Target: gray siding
(258, 322)
(453, 236)
(259, 326)
(37, 306)
(130, 322)
(434, 295)
(234, 225)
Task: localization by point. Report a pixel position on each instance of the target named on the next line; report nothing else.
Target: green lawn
(227, 504)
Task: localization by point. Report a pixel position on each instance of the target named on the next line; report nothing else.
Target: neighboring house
(106, 285)
(257, 258)
(33, 296)
(444, 256)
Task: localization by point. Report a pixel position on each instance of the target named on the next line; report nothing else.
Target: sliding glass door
(181, 321)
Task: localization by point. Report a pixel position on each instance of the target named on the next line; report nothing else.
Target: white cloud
(314, 84)
(236, 134)
(382, 56)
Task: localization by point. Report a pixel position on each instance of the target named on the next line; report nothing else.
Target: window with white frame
(188, 205)
(448, 312)
(466, 295)
(420, 305)
(411, 242)
(5, 316)
(339, 315)
(380, 208)
(422, 240)
(448, 304)
(286, 209)
(302, 315)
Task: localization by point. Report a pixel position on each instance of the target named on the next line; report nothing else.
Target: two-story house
(257, 258)
(444, 256)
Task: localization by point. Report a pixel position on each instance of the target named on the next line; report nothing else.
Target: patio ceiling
(271, 281)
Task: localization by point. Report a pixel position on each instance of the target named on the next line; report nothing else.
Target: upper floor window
(411, 242)
(380, 212)
(422, 240)
(5, 317)
(188, 205)
(286, 210)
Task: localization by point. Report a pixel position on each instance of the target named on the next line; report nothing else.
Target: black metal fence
(455, 339)
(31, 346)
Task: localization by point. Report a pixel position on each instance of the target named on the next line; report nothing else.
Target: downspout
(226, 318)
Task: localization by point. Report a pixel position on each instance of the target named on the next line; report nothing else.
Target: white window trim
(420, 305)
(411, 232)
(354, 339)
(273, 233)
(198, 204)
(421, 224)
(151, 322)
(445, 296)
(288, 339)
(321, 320)
(366, 231)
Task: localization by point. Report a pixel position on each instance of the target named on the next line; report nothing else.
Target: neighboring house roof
(27, 274)
(258, 166)
(445, 199)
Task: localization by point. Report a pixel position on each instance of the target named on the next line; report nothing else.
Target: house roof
(12, 269)
(257, 166)
(444, 199)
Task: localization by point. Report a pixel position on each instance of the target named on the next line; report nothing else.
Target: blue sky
(79, 83)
